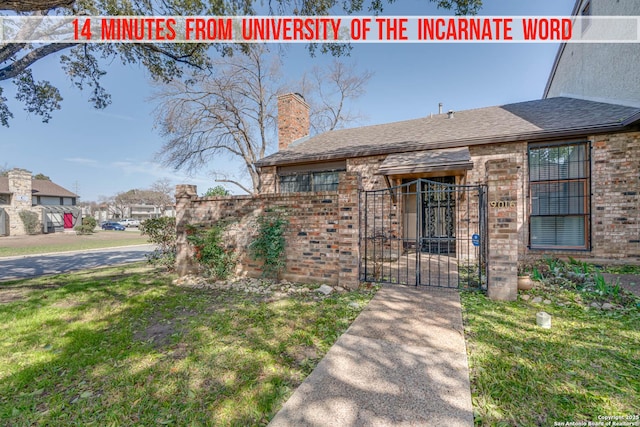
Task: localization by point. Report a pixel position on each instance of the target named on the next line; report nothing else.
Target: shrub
(30, 222)
(87, 226)
(270, 243)
(162, 232)
(211, 252)
(218, 190)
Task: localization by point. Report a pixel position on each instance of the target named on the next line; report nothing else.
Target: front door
(68, 220)
(438, 215)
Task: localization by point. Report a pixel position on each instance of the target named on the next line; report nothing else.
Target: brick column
(349, 261)
(184, 256)
(502, 216)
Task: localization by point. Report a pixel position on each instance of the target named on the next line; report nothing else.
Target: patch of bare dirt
(159, 331)
(159, 334)
(12, 295)
(629, 282)
(302, 354)
(20, 292)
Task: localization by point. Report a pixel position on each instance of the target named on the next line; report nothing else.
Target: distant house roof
(532, 120)
(39, 187)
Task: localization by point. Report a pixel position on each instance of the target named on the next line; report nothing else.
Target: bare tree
(229, 112)
(160, 195)
(327, 90)
(232, 111)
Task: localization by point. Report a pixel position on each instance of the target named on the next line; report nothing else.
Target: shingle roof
(39, 187)
(532, 120)
(427, 161)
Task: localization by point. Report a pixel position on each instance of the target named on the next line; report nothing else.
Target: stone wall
(322, 234)
(21, 199)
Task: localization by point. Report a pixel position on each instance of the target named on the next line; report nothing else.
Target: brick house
(577, 161)
(55, 206)
(456, 199)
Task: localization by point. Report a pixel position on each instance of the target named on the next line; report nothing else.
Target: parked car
(112, 226)
(130, 222)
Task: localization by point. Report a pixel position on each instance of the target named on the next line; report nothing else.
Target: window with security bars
(559, 184)
(309, 181)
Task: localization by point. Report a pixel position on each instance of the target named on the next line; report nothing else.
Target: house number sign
(503, 204)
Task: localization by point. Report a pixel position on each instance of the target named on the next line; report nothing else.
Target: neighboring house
(140, 212)
(596, 71)
(55, 206)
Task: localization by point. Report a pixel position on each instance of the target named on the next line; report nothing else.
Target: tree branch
(231, 181)
(12, 70)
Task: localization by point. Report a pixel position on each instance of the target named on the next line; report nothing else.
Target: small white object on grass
(543, 320)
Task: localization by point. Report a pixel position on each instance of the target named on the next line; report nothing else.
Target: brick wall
(322, 244)
(268, 180)
(502, 212)
(517, 152)
(615, 184)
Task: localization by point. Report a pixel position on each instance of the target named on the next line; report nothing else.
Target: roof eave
(416, 146)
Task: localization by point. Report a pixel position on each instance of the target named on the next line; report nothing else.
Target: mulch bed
(629, 282)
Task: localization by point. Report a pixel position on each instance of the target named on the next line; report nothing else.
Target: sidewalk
(403, 362)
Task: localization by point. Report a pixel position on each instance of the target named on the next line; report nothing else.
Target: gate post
(348, 230)
(502, 228)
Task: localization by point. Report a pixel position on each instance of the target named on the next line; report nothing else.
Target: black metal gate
(425, 232)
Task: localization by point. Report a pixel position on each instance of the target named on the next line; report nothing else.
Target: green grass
(124, 346)
(82, 243)
(586, 365)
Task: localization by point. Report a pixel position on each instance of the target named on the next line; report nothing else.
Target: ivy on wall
(269, 245)
(211, 252)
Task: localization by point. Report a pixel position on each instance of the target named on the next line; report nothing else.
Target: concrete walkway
(403, 362)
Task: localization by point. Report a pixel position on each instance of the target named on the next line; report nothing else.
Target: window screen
(559, 188)
(309, 181)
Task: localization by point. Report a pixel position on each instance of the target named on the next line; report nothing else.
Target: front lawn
(124, 346)
(587, 366)
(62, 242)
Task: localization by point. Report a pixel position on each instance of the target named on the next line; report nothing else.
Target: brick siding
(321, 236)
(325, 227)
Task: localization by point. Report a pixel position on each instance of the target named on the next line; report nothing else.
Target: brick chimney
(293, 119)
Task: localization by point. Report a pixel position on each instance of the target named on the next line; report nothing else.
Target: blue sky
(100, 153)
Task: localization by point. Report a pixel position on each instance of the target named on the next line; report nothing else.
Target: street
(38, 265)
